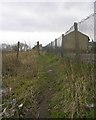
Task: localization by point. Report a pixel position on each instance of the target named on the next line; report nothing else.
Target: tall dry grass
(82, 88)
(25, 66)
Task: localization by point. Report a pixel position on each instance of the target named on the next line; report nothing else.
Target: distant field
(47, 86)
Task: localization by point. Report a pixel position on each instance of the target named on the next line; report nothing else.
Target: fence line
(75, 42)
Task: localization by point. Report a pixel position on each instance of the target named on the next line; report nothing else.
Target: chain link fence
(79, 40)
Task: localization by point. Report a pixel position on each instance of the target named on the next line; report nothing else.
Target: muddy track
(43, 97)
(43, 100)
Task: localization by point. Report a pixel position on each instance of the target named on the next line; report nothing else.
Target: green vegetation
(48, 85)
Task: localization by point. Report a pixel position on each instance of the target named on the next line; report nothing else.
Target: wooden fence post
(18, 45)
(38, 48)
(49, 47)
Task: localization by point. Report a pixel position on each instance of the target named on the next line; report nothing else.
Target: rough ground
(36, 100)
(47, 87)
(44, 96)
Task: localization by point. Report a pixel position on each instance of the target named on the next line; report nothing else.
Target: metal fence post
(51, 48)
(18, 45)
(62, 46)
(56, 46)
(95, 24)
(94, 76)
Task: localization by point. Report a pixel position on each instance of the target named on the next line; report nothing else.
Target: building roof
(80, 33)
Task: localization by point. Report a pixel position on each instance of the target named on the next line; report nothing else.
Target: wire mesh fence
(79, 40)
(70, 30)
(86, 26)
(95, 21)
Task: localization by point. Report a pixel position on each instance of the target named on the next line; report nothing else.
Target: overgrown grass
(74, 86)
(72, 82)
(19, 76)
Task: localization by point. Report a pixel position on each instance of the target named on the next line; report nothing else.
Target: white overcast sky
(39, 20)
